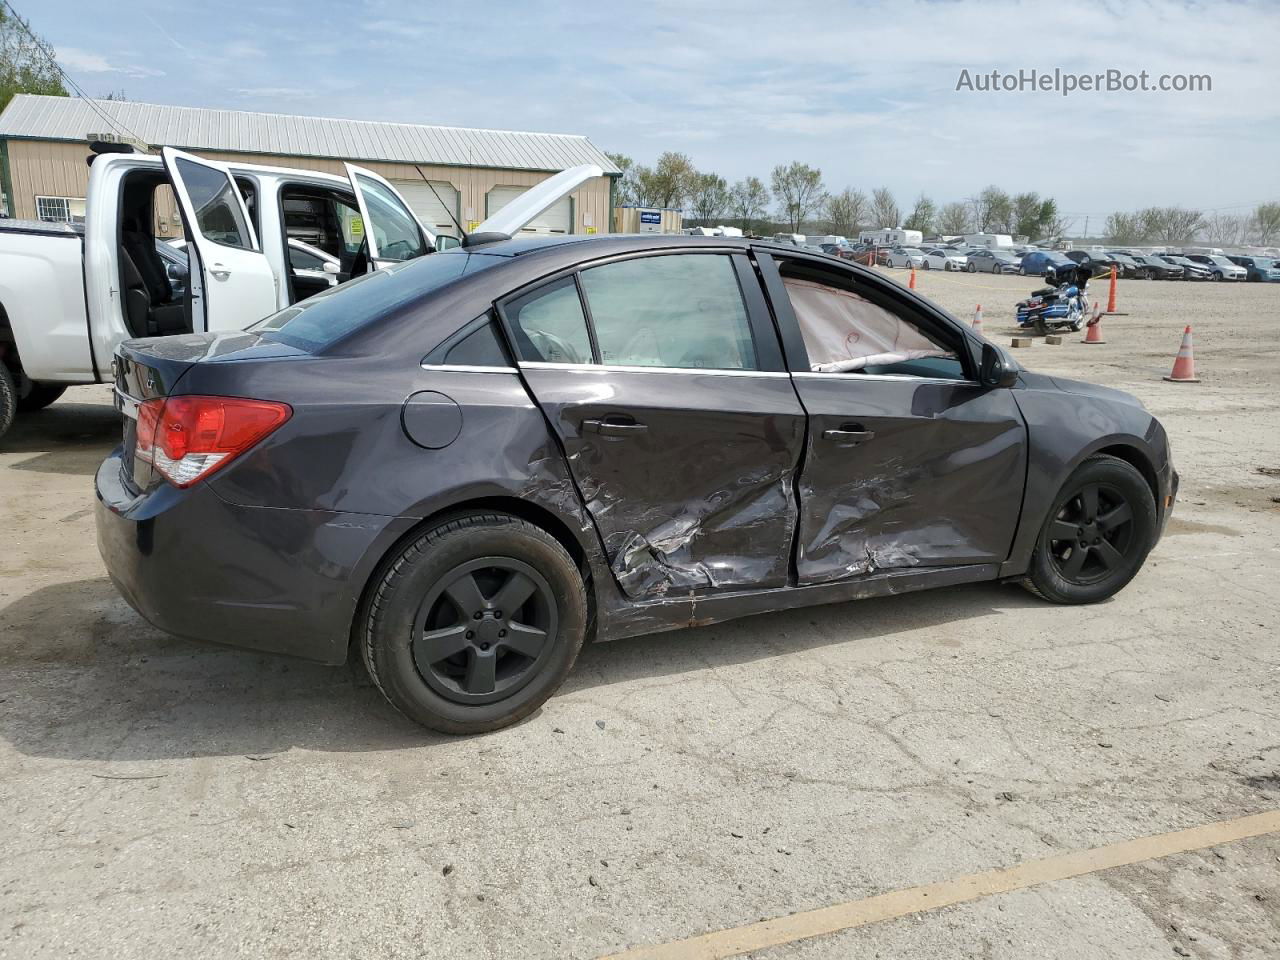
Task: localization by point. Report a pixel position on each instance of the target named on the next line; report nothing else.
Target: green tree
(1125, 228)
(1266, 223)
(749, 201)
(884, 209)
(1170, 224)
(848, 211)
(708, 196)
(625, 191)
(799, 191)
(992, 210)
(27, 63)
(922, 216)
(954, 219)
(668, 183)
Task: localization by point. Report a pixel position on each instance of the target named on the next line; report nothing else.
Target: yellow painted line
(901, 903)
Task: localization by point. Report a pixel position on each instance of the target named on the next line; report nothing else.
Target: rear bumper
(195, 565)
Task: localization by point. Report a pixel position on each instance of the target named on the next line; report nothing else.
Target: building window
(60, 209)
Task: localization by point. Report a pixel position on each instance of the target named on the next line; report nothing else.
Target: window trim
(931, 320)
(769, 352)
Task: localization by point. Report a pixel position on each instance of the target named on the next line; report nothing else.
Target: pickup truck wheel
(39, 396)
(475, 624)
(8, 399)
(1097, 536)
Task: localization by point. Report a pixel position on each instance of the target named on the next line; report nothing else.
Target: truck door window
(218, 215)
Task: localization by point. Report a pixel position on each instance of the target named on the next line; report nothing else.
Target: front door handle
(849, 433)
(219, 271)
(614, 426)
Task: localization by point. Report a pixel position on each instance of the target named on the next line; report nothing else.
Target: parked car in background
(943, 259)
(1153, 268)
(463, 467)
(1219, 267)
(1257, 269)
(992, 260)
(838, 249)
(1100, 264)
(905, 257)
(1035, 263)
(1190, 269)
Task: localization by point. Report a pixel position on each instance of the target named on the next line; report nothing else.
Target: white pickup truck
(70, 294)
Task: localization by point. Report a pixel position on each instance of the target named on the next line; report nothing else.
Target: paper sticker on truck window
(356, 227)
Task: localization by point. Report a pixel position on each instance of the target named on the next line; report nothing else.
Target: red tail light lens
(187, 438)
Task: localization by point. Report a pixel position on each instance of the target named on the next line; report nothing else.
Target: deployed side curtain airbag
(843, 331)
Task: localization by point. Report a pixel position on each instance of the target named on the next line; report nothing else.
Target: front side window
(217, 209)
(549, 326)
(682, 311)
(845, 332)
(396, 233)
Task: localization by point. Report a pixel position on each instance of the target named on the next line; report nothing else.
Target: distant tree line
(1177, 225)
(797, 198)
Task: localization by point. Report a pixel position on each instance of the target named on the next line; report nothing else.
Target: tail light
(187, 438)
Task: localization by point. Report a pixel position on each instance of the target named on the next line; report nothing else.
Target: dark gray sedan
(465, 466)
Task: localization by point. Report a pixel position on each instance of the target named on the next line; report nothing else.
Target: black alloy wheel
(473, 624)
(482, 628)
(1097, 536)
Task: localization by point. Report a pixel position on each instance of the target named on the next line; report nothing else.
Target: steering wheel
(543, 340)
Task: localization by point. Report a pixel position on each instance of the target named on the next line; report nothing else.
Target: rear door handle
(849, 433)
(219, 271)
(614, 426)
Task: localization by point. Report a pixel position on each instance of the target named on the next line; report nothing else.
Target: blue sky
(866, 91)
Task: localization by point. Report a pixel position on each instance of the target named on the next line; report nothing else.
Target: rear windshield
(319, 321)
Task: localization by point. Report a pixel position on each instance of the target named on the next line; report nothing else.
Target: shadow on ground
(66, 438)
(82, 677)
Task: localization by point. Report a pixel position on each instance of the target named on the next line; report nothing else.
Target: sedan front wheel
(475, 623)
(1096, 537)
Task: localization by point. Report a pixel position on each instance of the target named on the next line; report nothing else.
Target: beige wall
(47, 168)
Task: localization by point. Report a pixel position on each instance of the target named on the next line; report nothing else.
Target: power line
(41, 46)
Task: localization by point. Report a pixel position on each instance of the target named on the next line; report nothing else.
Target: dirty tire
(8, 399)
(39, 396)
(1122, 542)
(394, 623)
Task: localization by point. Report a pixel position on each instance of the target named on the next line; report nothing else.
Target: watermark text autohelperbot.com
(1065, 83)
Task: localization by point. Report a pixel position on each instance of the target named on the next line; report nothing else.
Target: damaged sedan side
(503, 450)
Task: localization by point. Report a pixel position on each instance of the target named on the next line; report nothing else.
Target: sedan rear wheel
(1097, 535)
(973, 268)
(475, 624)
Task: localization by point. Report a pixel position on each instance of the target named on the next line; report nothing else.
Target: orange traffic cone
(911, 283)
(977, 320)
(1111, 297)
(1184, 366)
(1093, 329)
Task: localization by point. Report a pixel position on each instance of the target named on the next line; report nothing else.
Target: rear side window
(548, 325)
(480, 348)
(218, 214)
(683, 311)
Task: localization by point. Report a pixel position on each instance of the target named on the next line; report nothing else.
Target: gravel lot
(166, 799)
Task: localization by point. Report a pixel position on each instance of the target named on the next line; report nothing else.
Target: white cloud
(85, 61)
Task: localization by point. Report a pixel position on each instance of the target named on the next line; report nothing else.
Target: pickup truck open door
(392, 232)
(231, 283)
